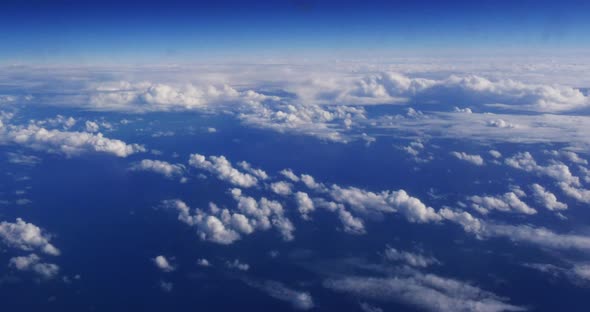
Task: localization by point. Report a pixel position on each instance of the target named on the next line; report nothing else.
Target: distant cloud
(220, 166)
(546, 198)
(299, 299)
(163, 264)
(161, 167)
(410, 258)
(33, 263)
(26, 236)
(474, 159)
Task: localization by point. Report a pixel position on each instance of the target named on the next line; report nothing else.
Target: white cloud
(288, 173)
(558, 171)
(220, 166)
(68, 143)
(496, 154)
(425, 291)
(91, 126)
(304, 204)
(546, 198)
(259, 173)
(26, 236)
(508, 202)
(203, 262)
(163, 264)
(413, 259)
(33, 263)
(367, 202)
(282, 188)
(474, 159)
(299, 299)
(580, 194)
(237, 265)
(158, 166)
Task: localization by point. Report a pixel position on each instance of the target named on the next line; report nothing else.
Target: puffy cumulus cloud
(391, 87)
(26, 236)
(425, 291)
(203, 262)
(282, 188)
(310, 183)
(496, 154)
(410, 258)
(298, 299)
(264, 213)
(327, 122)
(304, 204)
(546, 198)
(158, 166)
(580, 194)
(236, 264)
(569, 156)
(368, 202)
(223, 169)
(350, 223)
(508, 202)
(163, 264)
(224, 226)
(288, 173)
(558, 171)
(257, 172)
(69, 143)
(147, 96)
(209, 225)
(33, 263)
(91, 126)
(474, 159)
(500, 123)
(58, 121)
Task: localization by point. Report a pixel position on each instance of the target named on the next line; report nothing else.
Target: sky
(167, 31)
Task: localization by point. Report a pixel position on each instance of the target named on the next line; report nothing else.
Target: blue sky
(90, 31)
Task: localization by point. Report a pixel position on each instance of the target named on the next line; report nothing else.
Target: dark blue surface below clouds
(109, 224)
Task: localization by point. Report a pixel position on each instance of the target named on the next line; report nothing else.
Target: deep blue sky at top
(87, 31)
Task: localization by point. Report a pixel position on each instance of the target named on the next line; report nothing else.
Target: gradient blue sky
(152, 30)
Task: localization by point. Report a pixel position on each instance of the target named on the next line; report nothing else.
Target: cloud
(546, 198)
(163, 264)
(224, 226)
(33, 263)
(298, 299)
(91, 126)
(558, 171)
(69, 143)
(577, 273)
(158, 166)
(26, 236)
(580, 194)
(508, 202)
(237, 265)
(282, 188)
(21, 159)
(410, 258)
(220, 166)
(425, 291)
(304, 204)
(390, 87)
(474, 159)
(203, 262)
(367, 202)
(147, 96)
(288, 173)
